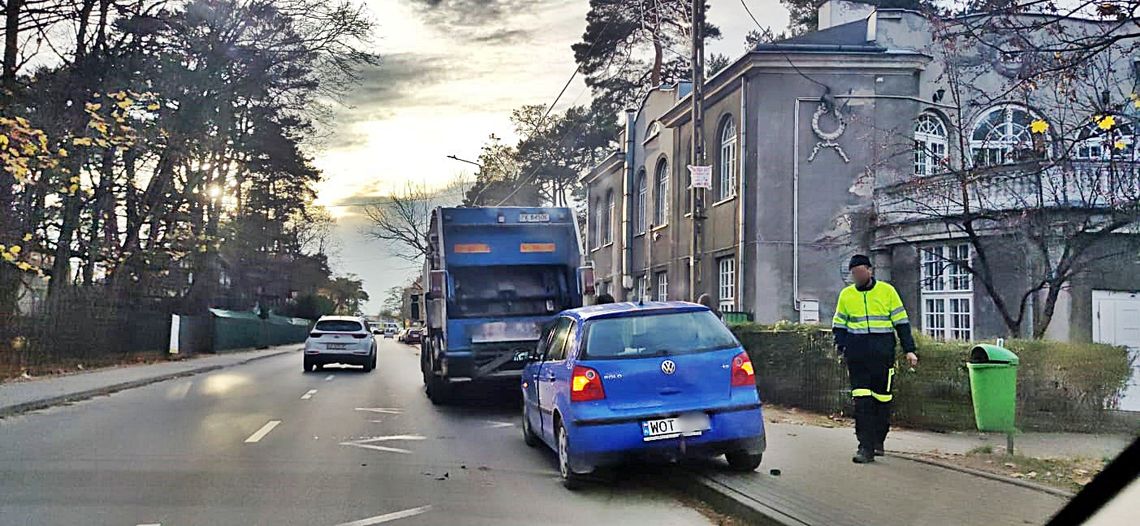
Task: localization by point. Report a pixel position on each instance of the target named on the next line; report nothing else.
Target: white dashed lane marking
(260, 433)
(309, 394)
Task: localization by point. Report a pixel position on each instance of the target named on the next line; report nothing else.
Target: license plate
(336, 346)
(534, 218)
(685, 425)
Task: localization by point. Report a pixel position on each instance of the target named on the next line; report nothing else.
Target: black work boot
(879, 450)
(863, 456)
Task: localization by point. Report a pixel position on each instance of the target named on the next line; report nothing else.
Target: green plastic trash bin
(993, 387)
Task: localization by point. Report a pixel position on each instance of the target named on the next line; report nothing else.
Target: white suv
(340, 339)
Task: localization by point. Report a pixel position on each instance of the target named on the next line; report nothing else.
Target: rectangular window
(726, 273)
(662, 286)
(947, 301)
(643, 288)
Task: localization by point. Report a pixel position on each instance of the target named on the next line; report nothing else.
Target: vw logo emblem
(668, 367)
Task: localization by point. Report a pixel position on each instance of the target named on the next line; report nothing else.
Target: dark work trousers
(871, 369)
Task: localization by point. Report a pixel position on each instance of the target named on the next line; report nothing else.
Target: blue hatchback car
(652, 380)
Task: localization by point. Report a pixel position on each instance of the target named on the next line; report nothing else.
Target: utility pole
(698, 149)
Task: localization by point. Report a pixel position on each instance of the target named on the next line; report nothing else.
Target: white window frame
(930, 144)
(599, 218)
(661, 194)
(662, 286)
(997, 147)
(946, 296)
(643, 287)
(728, 164)
(642, 201)
(1095, 144)
(726, 283)
(608, 233)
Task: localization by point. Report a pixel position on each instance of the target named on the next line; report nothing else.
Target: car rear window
(338, 326)
(656, 335)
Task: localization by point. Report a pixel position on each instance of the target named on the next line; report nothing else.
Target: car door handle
(669, 390)
(550, 378)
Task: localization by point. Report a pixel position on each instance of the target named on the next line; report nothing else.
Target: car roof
(340, 318)
(614, 310)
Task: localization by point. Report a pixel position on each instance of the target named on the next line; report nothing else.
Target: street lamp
(452, 157)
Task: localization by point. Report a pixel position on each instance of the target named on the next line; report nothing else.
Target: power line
(549, 109)
(781, 51)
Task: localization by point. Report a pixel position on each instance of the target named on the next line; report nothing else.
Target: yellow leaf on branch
(1106, 123)
(28, 237)
(1039, 126)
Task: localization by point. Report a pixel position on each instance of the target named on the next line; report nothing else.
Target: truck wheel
(438, 390)
(743, 461)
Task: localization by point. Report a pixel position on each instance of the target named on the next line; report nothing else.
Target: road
(264, 443)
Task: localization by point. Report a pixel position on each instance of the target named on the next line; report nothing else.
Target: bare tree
(402, 219)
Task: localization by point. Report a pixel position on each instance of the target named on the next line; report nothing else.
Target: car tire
(743, 461)
(369, 365)
(309, 366)
(570, 480)
(529, 437)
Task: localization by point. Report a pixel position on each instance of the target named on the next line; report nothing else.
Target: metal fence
(80, 330)
(86, 330)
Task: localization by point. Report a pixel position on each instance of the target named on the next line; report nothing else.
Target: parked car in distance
(413, 336)
(390, 329)
(340, 339)
(401, 335)
(667, 380)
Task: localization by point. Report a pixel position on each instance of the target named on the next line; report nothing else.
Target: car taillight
(360, 336)
(742, 373)
(586, 385)
(315, 334)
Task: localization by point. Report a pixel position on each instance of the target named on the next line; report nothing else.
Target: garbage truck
(493, 278)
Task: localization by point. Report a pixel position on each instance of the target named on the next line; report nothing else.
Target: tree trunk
(11, 39)
(655, 76)
(98, 211)
(1047, 310)
(81, 34)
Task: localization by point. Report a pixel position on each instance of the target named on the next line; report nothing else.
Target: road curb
(45, 403)
(985, 474)
(729, 501)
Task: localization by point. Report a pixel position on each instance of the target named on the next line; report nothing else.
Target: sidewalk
(20, 396)
(818, 483)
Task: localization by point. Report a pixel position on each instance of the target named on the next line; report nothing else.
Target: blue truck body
(493, 277)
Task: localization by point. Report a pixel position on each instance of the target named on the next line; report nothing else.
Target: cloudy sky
(451, 72)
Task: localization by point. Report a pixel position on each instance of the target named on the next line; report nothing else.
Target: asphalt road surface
(264, 443)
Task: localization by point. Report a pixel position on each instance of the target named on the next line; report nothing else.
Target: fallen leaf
(1010, 465)
(1031, 474)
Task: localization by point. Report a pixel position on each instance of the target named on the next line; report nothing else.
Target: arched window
(661, 194)
(929, 144)
(642, 201)
(1003, 135)
(608, 219)
(727, 180)
(1095, 143)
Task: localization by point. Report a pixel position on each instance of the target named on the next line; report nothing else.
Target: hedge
(1061, 386)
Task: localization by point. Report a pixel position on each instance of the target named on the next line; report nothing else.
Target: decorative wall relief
(827, 138)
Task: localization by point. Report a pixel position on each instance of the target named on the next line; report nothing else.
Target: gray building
(859, 137)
